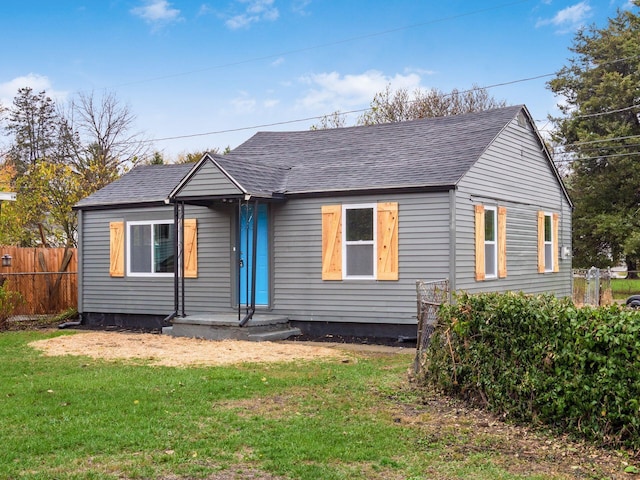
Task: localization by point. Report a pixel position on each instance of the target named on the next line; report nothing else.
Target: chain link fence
(592, 286)
(430, 295)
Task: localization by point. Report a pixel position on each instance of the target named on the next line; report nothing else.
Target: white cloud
(332, 91)
(244, 103)
(278, 61)
(568, 19)
(205, 10)
(420, 71)
(157, 12)
(300, 7)
(270, 103)
(37, 83)
(254, 11)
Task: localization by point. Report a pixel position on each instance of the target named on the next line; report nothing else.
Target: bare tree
(399, 106)
(333, 120)
(105, 126)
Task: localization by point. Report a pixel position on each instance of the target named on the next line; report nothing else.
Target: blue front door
(247, 223)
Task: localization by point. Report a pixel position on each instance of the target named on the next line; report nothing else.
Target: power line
(579, 159)
(349, 112)
(597, 148)
(318, 117)
(323, 45)
(361, 110)
(598, 114)
(603, 140)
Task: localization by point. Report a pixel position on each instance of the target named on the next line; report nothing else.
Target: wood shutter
(540, 242)
(190, 248)
(502, 242)
(556, 262)
(479, 234)
(387, 241)
(332, 242)
(116, 249)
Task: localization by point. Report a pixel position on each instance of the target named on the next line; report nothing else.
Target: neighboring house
(347, 220)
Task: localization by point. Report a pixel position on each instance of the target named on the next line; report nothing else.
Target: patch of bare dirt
(177, 352)
(464, 431)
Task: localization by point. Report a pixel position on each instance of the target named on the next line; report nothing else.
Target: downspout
(254, 248)
(176, 306)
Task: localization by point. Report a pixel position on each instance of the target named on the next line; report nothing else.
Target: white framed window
(490, 242)
(359, 235)
(150, 248)
(548, 243)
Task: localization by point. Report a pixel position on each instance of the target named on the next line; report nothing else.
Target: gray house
(329, 229)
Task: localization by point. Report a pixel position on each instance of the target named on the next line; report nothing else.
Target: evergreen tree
(600, 133)
(34, 125)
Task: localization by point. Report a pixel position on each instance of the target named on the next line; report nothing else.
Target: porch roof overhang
(215, 180)
(213, 200)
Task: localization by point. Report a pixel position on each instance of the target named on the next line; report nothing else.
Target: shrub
(9, 300)
(541, 359)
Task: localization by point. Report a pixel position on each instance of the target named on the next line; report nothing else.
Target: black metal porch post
(254, 260)
(181, 263)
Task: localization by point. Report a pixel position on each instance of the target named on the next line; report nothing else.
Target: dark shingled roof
(425, 153)
(143, 184)
(420, 153)
(255, 177)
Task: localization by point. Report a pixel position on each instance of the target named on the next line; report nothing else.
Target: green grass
(81, 418)
(622, 288)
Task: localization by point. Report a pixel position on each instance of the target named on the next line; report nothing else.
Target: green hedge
(541, 359)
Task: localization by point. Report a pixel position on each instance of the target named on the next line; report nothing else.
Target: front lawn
(76, 417)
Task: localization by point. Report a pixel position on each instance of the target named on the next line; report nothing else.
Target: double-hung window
(359, 241)
(548, 243)
(490, 243)
(150, 248)
(548, 257)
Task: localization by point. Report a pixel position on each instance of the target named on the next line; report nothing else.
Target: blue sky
(223, 67)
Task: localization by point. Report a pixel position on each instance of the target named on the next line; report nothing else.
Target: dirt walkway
(175, 351)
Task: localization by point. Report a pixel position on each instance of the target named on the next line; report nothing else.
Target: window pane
(359, 260)
(490, 259)
(163, 247)
(140, 248)
(489, 225)
(359, 224)
(547, 228)
(548, 257)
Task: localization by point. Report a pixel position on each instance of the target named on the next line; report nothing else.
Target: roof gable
(206, 178)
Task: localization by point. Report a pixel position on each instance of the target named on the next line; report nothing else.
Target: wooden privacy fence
(46, 278)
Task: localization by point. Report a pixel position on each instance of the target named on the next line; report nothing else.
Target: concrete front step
(225, 327)
(274, 335)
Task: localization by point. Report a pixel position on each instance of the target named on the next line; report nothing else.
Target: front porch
(226, 326)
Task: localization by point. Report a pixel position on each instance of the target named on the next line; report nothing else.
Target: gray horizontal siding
(208, 180)
(299, 290)
(144, 295)
(513, 173)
